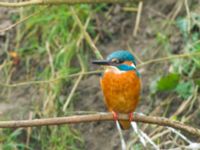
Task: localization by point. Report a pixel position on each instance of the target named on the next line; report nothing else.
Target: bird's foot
(115, 115)
(131, 117)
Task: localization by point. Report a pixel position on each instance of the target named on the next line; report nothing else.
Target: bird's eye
(116, 61)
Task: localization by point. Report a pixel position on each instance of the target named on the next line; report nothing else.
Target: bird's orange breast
(121, 91)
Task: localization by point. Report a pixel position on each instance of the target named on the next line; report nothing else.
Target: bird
(120, 84)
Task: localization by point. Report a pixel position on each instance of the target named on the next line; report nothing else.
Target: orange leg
(131, 116)
(115, 115)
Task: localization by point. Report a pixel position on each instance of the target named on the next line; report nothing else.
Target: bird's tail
(125, 124)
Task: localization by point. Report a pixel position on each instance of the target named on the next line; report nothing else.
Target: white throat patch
(114, 70)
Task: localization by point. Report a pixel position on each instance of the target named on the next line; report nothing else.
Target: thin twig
(184, 55)
(59, 2)
(134, 54)
(75, 85)
(21, 20)
(123, 143)
(50, 60)
(82, 69)
(131, 9)
(99, 117)
(138, 17)
(188, 15)
(29, 130)
(87, 36)
(51, 80)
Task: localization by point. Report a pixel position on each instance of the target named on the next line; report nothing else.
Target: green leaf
(168, 82)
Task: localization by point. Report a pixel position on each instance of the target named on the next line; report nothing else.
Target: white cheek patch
(133, 65)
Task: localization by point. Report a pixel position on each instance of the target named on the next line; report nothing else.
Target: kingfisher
(120, 84)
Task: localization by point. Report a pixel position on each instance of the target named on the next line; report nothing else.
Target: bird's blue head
(122, 60)
(121, 56)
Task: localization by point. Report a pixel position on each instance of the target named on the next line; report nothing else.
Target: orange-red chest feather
(121, 91)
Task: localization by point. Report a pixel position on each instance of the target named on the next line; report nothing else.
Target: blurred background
(46, 70)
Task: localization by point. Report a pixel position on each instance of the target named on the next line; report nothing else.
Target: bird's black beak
(101, 62)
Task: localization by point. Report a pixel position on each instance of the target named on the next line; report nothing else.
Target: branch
(99, 117)
(58, 2)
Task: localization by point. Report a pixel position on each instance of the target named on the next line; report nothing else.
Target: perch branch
(99, 117)
(58, 2)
